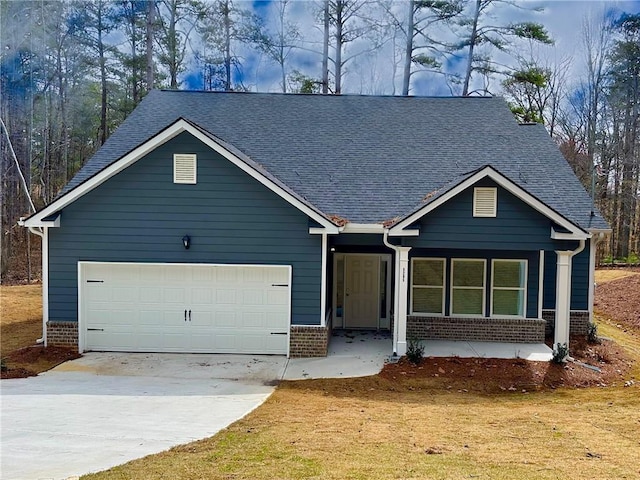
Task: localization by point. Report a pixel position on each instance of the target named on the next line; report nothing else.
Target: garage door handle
(279, 284)
(278, 333)
(95, 281)
(189, 315)
(95, 329)
(185, 315)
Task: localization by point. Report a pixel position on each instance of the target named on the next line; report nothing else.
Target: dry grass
(20, 316)
(373, 429)
(608, 275)
(376, 428)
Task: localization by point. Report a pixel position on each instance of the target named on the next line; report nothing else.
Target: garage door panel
(252, 297)
(175, 295)
(141, 307)
(150, 294)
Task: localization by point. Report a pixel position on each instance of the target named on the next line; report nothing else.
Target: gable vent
(485, 201)
(184, 168)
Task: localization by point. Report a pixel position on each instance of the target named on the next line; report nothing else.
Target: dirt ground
(619, 299)
(29, 361)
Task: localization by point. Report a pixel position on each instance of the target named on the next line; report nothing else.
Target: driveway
(105, 409)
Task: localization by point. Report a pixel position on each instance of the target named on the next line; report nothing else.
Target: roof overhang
(40, 219)
(576, 232)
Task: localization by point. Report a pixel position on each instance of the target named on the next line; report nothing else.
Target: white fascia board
(43, 223)
(164, 136)
(568, 235)
(604, 231)
(363, 228)
(322, 230)
(505, 183)
(377, 228)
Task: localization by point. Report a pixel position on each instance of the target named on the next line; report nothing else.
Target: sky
(372, 73)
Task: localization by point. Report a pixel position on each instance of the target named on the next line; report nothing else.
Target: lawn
(378, 428)
(375, 428)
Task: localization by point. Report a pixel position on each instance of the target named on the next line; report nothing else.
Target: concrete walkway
(106, 409)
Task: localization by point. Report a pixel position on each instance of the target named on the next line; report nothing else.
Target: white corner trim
(164, 136)
(540, 283)
(504, 182)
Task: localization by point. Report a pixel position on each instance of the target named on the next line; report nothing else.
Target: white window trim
(494, 209)
(484, 288)
(524, 288)
(185, 157)
(443, 286)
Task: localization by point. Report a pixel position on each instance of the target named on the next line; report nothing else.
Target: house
(257, 223)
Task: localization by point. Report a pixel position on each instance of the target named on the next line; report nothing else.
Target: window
(467, 287)
(508, 287)
(427, 286)
(184, 168)
(485, 201)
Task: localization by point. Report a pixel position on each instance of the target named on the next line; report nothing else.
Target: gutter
(396, 299)
(45, 300)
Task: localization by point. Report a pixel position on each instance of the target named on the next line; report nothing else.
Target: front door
(362, 290)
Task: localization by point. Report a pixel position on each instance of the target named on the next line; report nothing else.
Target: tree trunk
(227, 45)
(472, 43)
(408, 53)
(151, 16)
(339, 41)
(325, 50)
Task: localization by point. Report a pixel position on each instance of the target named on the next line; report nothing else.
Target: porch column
(563, 298)
(402, 289)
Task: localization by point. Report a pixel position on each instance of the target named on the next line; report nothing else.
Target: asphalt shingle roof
(366, 159)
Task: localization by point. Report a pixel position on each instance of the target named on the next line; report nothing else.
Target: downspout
(595, 240)
(396, 299)
(45, 281)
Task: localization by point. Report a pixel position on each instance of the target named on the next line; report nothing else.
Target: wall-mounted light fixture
(186, 242)
(333, 249)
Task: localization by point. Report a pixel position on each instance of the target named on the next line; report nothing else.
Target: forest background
(71, 71)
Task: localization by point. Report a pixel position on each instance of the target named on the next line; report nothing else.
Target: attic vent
(485, 201)
(184, 168)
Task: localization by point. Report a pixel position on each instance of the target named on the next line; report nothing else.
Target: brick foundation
(62, 334)
(512, 330)
(579, 320)
(308, 341)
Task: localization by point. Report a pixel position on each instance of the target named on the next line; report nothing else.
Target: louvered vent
(485, 201)
(184, 168)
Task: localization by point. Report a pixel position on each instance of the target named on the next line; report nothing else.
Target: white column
(402, 282)
(563, 297)
(45, 282)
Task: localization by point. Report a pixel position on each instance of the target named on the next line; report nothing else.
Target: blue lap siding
(140, 215)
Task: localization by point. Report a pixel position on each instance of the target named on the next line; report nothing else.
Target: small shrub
(3, 365)
(592, 333)
(633, 258)
(415, 351)
(560, 353)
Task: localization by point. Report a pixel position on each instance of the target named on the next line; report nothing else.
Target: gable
(516, 226)
(490, 177)
(225, 151)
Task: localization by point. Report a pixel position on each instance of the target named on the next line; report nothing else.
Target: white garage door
(184, 308)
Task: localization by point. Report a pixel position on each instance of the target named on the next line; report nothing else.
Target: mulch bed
(32, 355)
(488, 375)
